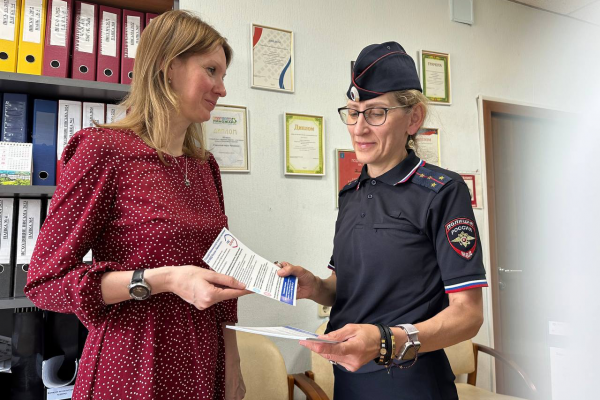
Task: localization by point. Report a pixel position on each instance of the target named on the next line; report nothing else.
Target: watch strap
(138, 276)
(411, 332)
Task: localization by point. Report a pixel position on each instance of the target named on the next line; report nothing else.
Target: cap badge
(354, 94)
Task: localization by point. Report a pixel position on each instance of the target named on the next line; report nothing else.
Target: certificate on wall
(304, 145)
(473, 181)
(226, 137)
(347, 169)
(435, 76)
(272, 58)
(428, 145)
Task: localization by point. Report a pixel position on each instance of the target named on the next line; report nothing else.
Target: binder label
(32, 24)
(69, 122)
(85, 29)
(8, 15)
(92, 112)
(58, 33)
(114, 113)
(133, 31)
(29, 229)
(108, 41)
(6, 208)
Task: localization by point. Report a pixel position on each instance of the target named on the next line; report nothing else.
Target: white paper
(8, 14)
(32, 24)
(29, 229)
(133, 32)
(229, 256)
(60, 14)
(284, 332)
(92, 112)
(60, 393)
(114, 113)
(85, 31)
(560, 369)
(50, 369)
(108, 38)
(69, 122)
(6, 224)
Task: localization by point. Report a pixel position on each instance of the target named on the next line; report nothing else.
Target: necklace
(185, 177)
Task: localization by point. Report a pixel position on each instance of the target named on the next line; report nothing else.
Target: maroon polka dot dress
(116, 197)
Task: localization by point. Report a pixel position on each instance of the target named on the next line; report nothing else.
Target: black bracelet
(382, 346)
(388, 343)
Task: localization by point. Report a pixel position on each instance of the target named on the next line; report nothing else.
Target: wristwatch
(139, 289)
(411, 348)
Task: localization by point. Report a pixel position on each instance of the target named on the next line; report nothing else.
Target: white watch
(411, 348)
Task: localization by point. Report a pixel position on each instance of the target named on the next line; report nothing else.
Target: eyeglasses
(373, 116)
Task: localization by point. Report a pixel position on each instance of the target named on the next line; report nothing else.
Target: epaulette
(350, 185)
(430, 179)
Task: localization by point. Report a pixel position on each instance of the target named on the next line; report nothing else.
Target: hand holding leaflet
(284, 332)
(229, 256)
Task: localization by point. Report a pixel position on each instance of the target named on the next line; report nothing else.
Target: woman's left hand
(234, 381)
(360, 344)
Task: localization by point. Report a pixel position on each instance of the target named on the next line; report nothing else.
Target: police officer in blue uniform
(407, 267)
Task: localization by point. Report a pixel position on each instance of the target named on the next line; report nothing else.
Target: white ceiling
(584, 10)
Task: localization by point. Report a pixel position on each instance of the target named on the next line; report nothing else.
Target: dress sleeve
(225, 311)
(451, 225)
(57, 279)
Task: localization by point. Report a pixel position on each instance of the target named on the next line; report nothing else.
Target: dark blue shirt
(403, 241)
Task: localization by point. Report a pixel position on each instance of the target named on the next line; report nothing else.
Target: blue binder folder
(44, 142)
(14, 117)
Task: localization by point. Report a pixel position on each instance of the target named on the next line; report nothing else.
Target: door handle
(509, 271)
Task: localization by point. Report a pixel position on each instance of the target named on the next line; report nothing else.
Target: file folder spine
(58, 38)
(14, 118)
(29, 217)
(31, 37)
(9, 34)
(109, 45)
(44, 142)
(7, 212)
(84, 42)
(92, 113)
(133, 25)
(69, 122)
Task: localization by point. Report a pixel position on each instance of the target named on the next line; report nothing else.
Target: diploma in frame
(473, 181)
(304, 144)
(226, 137)
(272, 58)
(435, 76)
(428, 145)
(348, 168)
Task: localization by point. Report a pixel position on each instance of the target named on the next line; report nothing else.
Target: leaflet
(285, 332)
(229, 256)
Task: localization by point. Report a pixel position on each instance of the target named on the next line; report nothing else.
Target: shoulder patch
(462, 236)
(430, 179)
(350, 185)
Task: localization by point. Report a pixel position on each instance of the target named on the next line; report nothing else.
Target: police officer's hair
(411, 98)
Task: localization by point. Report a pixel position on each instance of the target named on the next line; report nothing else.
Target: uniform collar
(400, 173)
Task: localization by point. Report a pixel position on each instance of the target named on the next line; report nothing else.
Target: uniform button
(362, 215)
(373, 182)
(370, 196)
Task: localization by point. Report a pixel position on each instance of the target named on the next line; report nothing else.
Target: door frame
(487, 107)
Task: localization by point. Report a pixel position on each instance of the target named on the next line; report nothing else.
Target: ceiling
(584, 10)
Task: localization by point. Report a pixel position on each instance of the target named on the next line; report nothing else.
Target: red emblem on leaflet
(462, 237)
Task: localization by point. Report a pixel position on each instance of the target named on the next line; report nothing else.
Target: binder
(14, 118)
(132, 27)
(31, 38)
(27, 354)
(44, 142)
(92, 112)
(115, 113)
(28, 229)
(109, 45)
(84, 42)
(58, 38)
(150, 17)
(9, 34)
(7, 206)
(69, 122)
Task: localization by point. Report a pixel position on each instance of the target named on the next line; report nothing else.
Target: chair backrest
(461, 357)
(263, 368)
(322, 369)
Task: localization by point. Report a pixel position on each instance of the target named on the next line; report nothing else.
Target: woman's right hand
(203, 287)
(307, 282)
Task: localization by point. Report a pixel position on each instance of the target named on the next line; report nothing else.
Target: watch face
(410, 353)
(139, 292)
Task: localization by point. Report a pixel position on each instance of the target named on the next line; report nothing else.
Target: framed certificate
(347, 169)
(435, 76)
(272, 58)
(226, 137)
(304, 144)
(428, 145)
(473, 181)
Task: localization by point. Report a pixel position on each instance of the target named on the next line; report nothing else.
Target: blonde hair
(411, 98)
(173, 34)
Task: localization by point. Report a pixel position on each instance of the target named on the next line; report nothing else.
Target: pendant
(187, 182)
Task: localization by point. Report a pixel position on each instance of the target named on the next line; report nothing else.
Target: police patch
(462, 237)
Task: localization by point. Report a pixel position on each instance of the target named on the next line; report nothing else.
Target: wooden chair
(265, 374)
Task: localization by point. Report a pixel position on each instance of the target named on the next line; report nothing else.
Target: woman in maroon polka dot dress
(143, 196)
